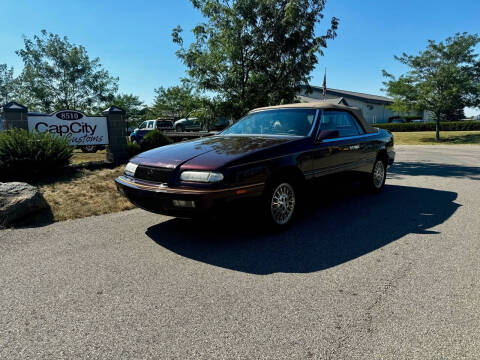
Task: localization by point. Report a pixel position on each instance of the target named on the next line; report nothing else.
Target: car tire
(376, 180)
(280, 203)
(89, 148)
(179, 128)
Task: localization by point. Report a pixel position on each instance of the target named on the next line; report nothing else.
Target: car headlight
(201, 176)
(130, 169)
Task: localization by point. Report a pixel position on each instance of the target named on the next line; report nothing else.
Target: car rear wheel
(281, 203)
(376, 181)
(89, 148)
(178, 128)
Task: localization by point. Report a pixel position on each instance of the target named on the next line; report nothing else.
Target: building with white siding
(374, 107)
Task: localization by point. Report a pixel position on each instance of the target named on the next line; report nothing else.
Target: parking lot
(389, 276)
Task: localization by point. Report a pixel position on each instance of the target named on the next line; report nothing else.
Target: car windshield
(297, 122)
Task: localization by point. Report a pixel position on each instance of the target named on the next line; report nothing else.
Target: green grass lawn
(428, 138)
(79, 157)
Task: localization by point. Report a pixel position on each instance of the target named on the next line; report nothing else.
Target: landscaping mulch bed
(84, 193)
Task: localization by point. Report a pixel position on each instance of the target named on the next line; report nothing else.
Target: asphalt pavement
(388, 276)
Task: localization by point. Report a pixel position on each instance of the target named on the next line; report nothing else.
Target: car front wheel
(178, 128)
(281, 203)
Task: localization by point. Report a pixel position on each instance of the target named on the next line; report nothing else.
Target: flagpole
(325, 85)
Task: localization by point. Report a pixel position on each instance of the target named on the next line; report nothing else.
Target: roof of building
(324, 105)
(13, 106)
(355, 95)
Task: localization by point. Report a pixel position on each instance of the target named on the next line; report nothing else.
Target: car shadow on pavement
(330, 230)
(434, 169)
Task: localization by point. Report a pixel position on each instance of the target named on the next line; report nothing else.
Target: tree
(176, 101)
(60, 75)
(130, 103)
(442, 79)
(8, 84)
(455, 114)
(254, 52)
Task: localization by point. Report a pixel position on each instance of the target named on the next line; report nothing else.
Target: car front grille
(155, 174)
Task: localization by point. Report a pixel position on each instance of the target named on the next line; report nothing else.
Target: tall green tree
(130, 103)
(442, 79)
(255, 52)
(8, 84)
(60, 75)
(177, 101)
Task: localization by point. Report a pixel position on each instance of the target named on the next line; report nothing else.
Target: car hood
(207, 153)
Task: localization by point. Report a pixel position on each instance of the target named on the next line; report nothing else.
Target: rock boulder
(18, 200)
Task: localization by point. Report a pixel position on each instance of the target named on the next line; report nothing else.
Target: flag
(325, 86)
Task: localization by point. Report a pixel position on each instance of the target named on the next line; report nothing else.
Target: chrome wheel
(282, 205)
(378, 174)
(89, 148)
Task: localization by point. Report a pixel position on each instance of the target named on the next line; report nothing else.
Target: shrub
(430, 126)
(153, 140)
(26, 155)
(133, 149)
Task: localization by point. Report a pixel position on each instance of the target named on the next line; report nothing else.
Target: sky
(133, 38)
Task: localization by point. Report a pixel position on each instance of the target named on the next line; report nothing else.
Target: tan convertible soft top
(325, 105)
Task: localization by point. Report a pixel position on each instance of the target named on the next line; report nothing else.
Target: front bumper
(391, 157)
(159, 198)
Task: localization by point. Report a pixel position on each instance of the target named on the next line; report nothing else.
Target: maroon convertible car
(268, 154)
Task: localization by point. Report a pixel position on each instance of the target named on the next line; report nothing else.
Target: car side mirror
(327, 134)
